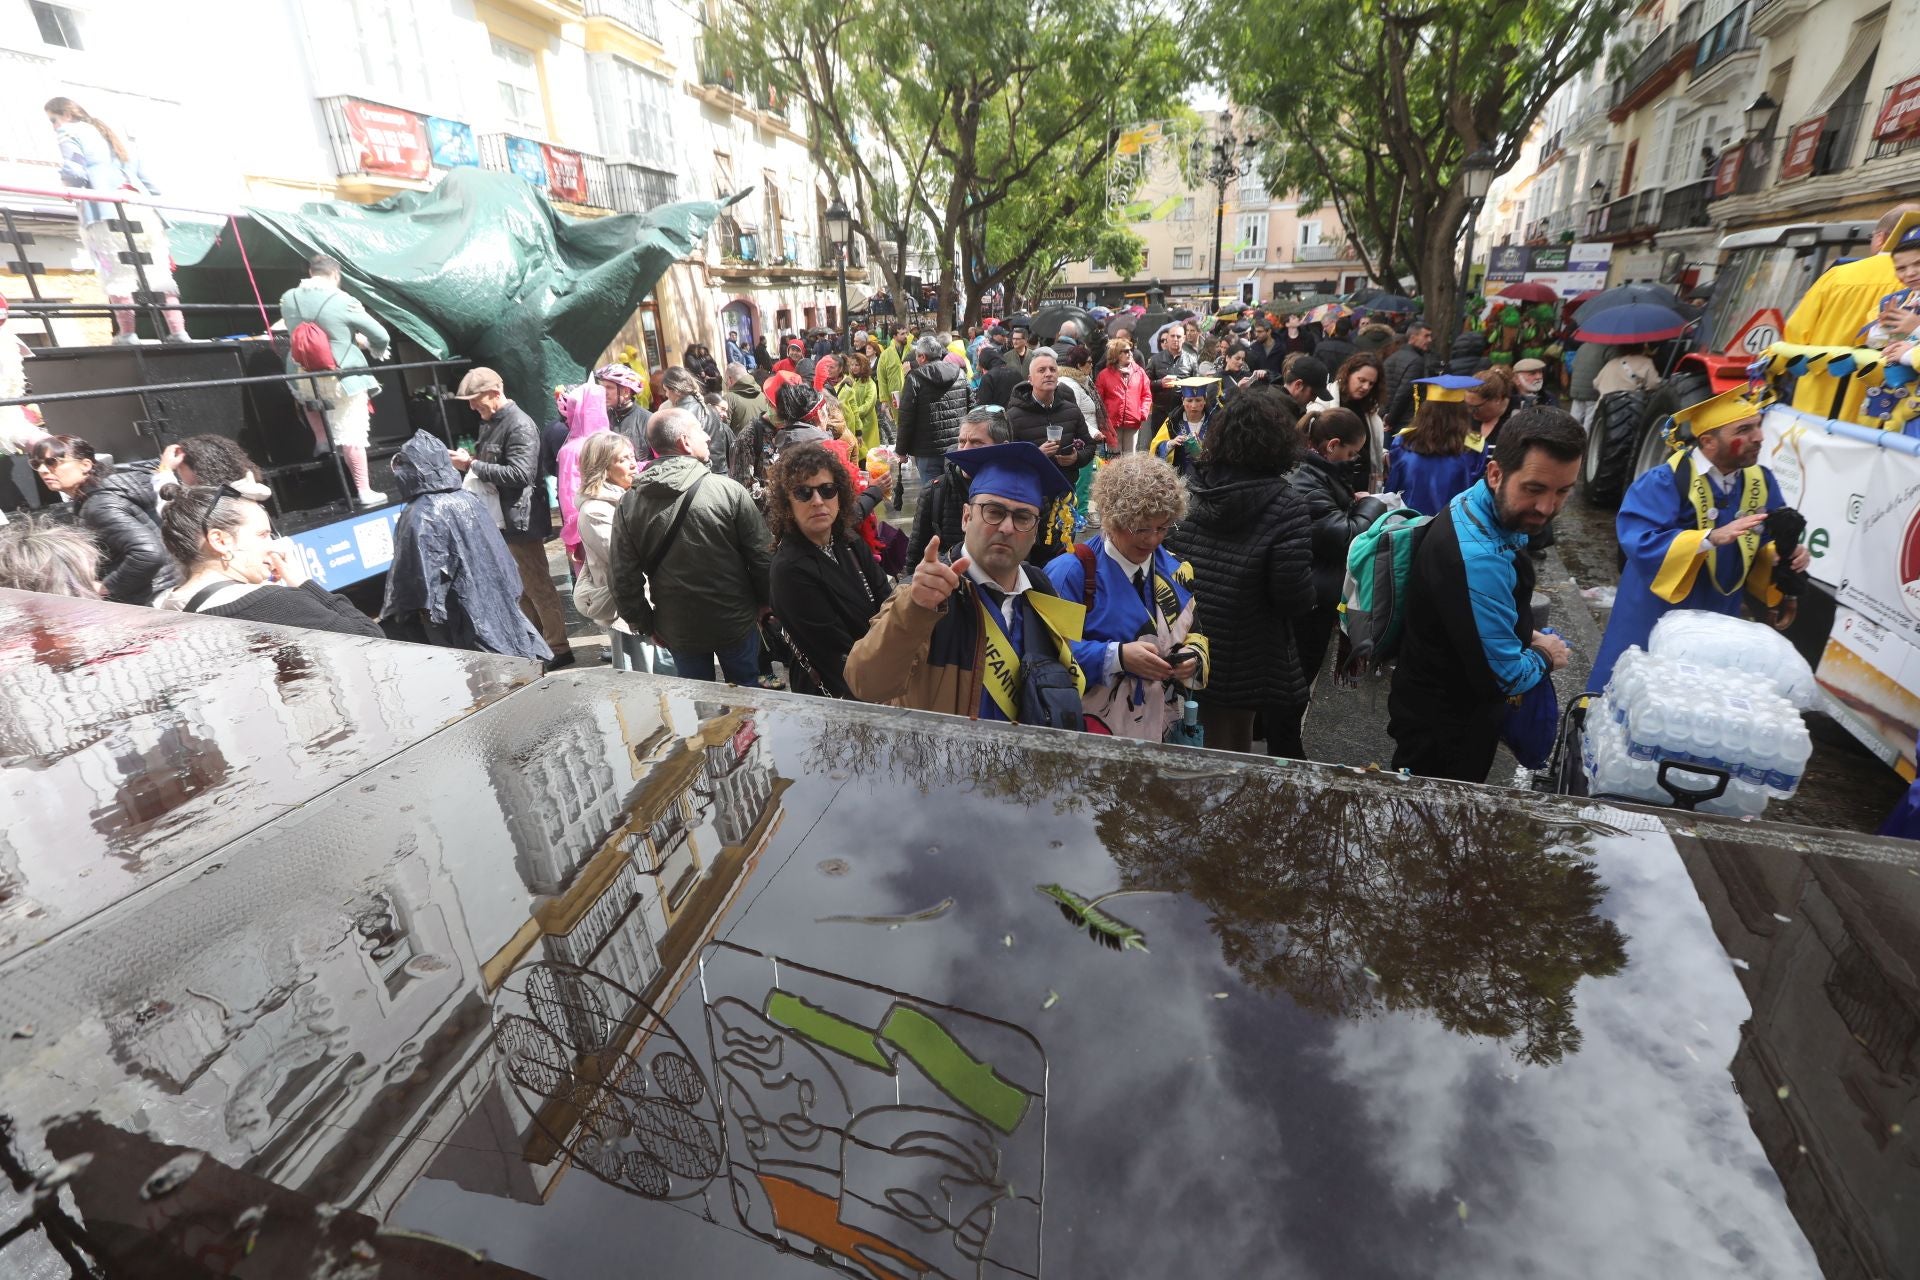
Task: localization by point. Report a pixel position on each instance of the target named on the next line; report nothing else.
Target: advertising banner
(1899, 117)
(566, 175)
(1872, 661)
(1506, 264)
(389, 141)
(1726, 172)
(453, 143)
(349, 551)
(1824, 477)
(527, 159)
(1803, 145)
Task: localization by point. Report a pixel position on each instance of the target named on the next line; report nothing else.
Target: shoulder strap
(205, 594)
(679, 515)
(1090, 566)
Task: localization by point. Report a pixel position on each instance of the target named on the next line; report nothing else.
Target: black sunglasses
(227, 491)
(808, 492)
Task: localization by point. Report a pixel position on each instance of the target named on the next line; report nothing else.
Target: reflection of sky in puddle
(1633, 1157)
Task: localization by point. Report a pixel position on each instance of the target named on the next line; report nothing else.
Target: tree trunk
(1439, 286)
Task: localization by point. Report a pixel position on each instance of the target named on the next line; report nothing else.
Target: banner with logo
(566, 175)
(1803, 146)
(1567, 269)
(453, 143)
(1899, 117)
(1825, 478)
(389, 141)
(527, 159)
(1872, 661)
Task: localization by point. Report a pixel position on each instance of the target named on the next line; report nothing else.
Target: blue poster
(351, 550)
(452, 143)
(527, 159)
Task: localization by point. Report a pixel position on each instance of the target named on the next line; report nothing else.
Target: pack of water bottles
(1754, 649)
(1658, 708)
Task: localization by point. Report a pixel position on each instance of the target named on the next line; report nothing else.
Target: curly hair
(1136, 489)
(795, 467)
(1254, 432)
(1371, 402)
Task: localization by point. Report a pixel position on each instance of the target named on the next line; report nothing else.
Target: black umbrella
(1389, 302)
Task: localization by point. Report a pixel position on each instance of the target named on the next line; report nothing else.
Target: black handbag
(1049, 695)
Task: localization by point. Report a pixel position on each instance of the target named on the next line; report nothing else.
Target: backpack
(1373, 598)
(310, 347)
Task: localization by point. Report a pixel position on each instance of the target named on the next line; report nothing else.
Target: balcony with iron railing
(1250, 256)
(1325, 252)
(1838, 138)
(1724, 56)
(499, 151)
(1902, 141)
(1658, 62)
(1686, 206)
(1595, 106)
(1627, 216)
(633, 188)
(753, 95)
(635, 15)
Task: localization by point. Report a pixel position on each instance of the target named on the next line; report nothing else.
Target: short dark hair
(1540, 427)
(1418, 326)
(792, 467)
(216, 460)
(321, 264)
(1253, 431)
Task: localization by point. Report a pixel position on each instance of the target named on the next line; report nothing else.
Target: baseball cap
(1310, 370)
(477, 382)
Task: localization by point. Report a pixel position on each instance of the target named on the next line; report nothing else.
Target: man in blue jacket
(1470, 642)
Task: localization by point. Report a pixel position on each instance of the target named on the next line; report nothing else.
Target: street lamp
(1232, 158)
(1760, 115)
(839, 229)
(1476, 179)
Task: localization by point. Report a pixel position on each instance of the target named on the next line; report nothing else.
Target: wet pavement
(617, 968)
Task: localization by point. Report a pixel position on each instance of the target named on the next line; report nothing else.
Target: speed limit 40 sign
(1761, 331)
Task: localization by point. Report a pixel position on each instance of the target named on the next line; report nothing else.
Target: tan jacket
(889, 664)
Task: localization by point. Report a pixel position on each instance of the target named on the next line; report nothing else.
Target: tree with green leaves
(992, 130)
(1374, 107)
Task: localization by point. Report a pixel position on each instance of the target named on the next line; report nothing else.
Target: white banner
(1872, 660)
(1825, 478)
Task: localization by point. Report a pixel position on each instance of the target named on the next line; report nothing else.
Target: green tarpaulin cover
(482, 266)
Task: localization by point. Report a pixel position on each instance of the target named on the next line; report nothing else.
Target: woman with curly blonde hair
(1139, 650)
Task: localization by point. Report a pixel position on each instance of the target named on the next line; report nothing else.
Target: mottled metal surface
(623, 975)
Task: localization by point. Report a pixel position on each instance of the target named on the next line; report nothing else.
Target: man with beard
(1470, 642)
(979, 635)
(1693, 530)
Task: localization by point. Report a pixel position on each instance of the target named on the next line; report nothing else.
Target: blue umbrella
(1632, 322)
(1390, 302)
(1622, 295)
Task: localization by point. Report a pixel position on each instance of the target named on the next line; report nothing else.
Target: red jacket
(1128, 397)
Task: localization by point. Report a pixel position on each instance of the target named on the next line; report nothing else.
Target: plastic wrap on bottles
(1659, 708)
(1753, 649)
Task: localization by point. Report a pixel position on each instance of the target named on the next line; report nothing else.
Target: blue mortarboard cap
(1448, 388)
(1017, 471)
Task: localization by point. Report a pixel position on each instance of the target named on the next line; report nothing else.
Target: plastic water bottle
(1796, 745)
(1764, 754)
(1648, 727)
(1190, 715)
(1677, 743)
(1736, 730)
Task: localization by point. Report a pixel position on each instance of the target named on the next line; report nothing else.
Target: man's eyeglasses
(808, 492)
(1023, 519)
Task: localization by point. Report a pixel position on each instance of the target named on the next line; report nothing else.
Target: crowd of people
(1122, 529)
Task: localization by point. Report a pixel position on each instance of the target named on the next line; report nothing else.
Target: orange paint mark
(804, 1212)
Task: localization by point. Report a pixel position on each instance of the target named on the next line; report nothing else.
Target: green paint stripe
(972, 1083)
(816, 1024)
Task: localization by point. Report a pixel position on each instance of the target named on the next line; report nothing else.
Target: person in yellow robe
(1836, 310)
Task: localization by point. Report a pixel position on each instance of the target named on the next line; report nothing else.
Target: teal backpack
(1373, 600)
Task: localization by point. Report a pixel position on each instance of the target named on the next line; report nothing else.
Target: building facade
(606, 105)
(1269, 245)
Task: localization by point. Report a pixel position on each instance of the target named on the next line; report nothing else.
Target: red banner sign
(1899, 116)
(566, 175)
(389, 141)
(1803, 145)
(1726, 174)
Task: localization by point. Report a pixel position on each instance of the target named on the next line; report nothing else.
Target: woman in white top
(1631, 370)
(607, 471)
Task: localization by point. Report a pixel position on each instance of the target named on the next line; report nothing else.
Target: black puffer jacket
(1402, 367)
(1468, 355)
(123, 515)
(932, 403)
(1337, 520)
(1028, 419)
(1249, 542)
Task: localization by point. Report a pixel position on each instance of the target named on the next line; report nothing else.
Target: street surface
(1845, 787)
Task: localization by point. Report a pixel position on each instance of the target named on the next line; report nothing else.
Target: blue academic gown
(1429, 482)
(1658, 531)
(1120, 615)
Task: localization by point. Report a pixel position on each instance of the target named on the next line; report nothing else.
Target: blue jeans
(740, 661)
(930, 470)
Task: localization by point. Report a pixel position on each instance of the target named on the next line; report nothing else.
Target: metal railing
(1318, 253)
(1598, 102)
(633, 188)
(347, 157)
(1686, 206)
(496, 153)
(1252, 254)
(1674, 39)
(1727, 36)
(758, 97)
(1837, 137)
(635, 15)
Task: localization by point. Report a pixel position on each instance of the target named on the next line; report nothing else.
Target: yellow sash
(1678, 569)
(1000, 663)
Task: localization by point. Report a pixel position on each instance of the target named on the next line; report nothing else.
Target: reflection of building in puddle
(627, 900)
(1829, 1063)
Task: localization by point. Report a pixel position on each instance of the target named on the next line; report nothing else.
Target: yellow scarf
(1000, 664)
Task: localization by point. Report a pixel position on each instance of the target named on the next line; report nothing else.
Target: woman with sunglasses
(233, 567)
(120, 510)
(826, 586)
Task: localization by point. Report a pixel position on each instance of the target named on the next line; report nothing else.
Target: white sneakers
(369, 498)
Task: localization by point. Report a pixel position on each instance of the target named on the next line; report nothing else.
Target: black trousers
(1435, 738)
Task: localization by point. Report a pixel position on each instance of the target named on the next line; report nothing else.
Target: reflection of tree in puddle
(1348, 899)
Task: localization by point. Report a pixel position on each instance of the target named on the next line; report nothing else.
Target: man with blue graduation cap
(980, 636)
(1694, 530)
